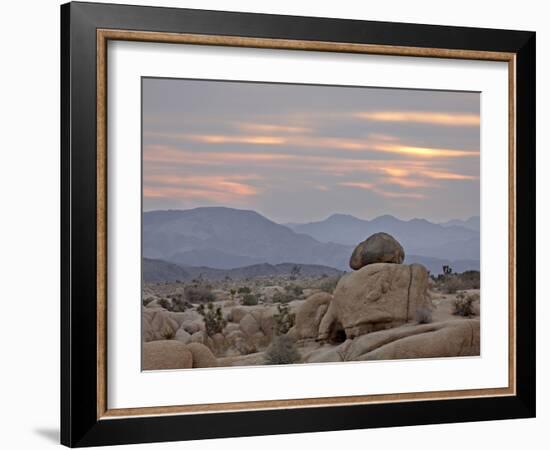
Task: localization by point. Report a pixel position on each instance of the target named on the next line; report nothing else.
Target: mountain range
(417, 236)
(155, 270)
(226, 238)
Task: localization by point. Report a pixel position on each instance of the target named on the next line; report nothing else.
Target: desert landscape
(291, 223)
(383, 309)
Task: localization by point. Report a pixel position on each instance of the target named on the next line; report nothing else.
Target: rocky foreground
(382, 310)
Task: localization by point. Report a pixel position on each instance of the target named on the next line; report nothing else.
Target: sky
(299, 153)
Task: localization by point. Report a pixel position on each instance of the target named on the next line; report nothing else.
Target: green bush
(449, 284)
(464, 305)
(244, 290)
(213, 319)
(249, 299)
(165, 303)
(282, 351)
(168, 334)
(295, 290)
(179, 304)
(283, 320)
(198, 294)
(282, 297)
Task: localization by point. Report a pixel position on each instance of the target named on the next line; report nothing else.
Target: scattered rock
(162, 355)
(378, 248)
(182, 336)
(156, 324)
(249, 325)
(309, 315)
(199, 337)
(202, 355)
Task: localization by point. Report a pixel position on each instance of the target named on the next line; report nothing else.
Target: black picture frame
(80, 425)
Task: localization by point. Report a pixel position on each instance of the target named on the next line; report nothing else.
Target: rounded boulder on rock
(378, 248)
(162, 355)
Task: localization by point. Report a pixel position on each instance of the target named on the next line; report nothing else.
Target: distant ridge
(155, 270)
(418, 236)
(227, 238)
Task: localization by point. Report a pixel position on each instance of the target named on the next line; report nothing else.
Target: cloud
(377, 190)
(372, 143)
(223, 188)
(423, 117)
(270, 128)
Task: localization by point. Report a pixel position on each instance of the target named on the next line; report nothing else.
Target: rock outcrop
(157, 324)
(202, 356)
(163, 355)
(309, 316)
(443, 339)
(375, 297)
(378, 248)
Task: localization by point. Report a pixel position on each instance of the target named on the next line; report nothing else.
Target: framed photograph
(277, 224)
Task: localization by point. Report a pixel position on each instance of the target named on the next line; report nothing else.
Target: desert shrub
(282, 351)
(294, 289)
(244, 290)
(328, 284)
(295, 272)
(147, 300)
(179, 304)
(249, 299)
(450, 284)
(424, 315)
(165, 303)
(168, 334)
(213, 318)
(198, 294)
(283, 320)
(464, 305)
(282, 297)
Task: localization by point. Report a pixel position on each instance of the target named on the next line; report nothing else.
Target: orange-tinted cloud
(223, 139)
(372, 143)
(423, 117)
(443, 175)
(425, 152)
(230, 188)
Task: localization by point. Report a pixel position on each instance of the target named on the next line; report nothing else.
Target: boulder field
(382, 310)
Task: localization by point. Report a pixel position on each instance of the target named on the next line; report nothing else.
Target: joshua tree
(295, 272)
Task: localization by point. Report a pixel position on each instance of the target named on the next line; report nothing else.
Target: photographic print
(295, 224)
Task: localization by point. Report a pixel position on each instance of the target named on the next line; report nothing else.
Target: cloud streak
(423, 117)
(299, 153)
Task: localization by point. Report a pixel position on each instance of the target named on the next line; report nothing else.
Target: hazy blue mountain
(225, 238)
(155, 270)
(473, 223)
(418, 236)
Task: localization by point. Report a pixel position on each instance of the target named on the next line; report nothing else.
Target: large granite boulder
(451, 338)
(437, 340)
(309, 315)
(375, 297)
(163, 355)
(202, 355)
(378, 248)
(157, 324)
